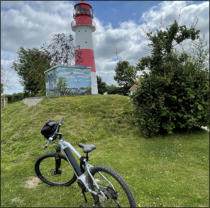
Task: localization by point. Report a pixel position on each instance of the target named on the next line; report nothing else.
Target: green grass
(162, 171)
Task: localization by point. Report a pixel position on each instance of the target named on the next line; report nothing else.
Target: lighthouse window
(80, 10)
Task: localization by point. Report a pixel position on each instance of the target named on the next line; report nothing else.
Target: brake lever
(48, 142)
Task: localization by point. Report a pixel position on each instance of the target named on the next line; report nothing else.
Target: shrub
(177, 100)
(17, 96)
(174, 94)
(112, 89)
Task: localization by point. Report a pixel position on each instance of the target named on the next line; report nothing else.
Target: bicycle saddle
(87, 148)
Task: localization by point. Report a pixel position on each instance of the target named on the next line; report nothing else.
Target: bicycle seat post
(87, 158)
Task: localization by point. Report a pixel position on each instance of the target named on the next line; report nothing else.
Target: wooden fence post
(4, 101)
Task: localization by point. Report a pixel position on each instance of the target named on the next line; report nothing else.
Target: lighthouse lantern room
(83, 26)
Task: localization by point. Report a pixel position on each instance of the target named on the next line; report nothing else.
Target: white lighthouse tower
(83, 27)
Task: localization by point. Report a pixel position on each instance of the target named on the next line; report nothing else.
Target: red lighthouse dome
(83, 13)
(83, 27)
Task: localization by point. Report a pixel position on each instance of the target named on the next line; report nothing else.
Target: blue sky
(115, 12)
(120, 25)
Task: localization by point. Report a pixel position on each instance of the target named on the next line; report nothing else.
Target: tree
(61, 49)
(200, 53)
(102, 87)
(2, 88)
(30, 66)
(125, 75)
(174, 94)
(112, 89)
(162, 43)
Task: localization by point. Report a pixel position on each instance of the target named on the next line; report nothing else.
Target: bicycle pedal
(82, 204)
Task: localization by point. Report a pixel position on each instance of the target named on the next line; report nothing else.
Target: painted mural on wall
(68, 80)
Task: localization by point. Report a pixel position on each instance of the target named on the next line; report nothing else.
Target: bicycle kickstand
(85, 199)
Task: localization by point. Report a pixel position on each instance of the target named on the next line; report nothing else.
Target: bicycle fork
(57, 162)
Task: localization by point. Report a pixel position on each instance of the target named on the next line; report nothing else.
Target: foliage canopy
(30, 66)
(174, 94)
(2, 88)
(102, 87)
(125, 75)
(61, 49)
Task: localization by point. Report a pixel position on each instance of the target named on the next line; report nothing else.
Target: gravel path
(32, 101)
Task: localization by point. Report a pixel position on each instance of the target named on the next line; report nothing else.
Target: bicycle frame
(67, 148)
(83, 171)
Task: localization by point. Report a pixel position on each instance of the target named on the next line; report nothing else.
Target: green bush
(17, 96)
(173, 101)
(173, 94)
(112, 89)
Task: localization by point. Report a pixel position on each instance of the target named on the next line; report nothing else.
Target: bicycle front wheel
(54, 169)
(117, 192)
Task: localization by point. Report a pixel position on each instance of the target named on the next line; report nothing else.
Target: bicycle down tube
(67, 148)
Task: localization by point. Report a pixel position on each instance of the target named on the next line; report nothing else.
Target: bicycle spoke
(112, 190)
(56, 171)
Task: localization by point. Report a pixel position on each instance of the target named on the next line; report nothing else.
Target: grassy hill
(163, 171)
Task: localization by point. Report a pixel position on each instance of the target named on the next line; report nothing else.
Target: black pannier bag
(49, 129)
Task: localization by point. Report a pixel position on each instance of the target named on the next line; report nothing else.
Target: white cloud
(33, 23)
(30, 24)
(9, 78)
(130, 38)
(183, 12)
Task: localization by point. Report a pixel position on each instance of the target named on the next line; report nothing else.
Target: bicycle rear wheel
(116, 190)
(54, 169)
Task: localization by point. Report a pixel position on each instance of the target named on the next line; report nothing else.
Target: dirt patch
(16, 199)
(32, 182)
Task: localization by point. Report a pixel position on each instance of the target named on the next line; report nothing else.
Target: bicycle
(107, 188)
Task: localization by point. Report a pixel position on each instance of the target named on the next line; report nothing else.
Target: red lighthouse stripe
(85, 57)
(83, 19)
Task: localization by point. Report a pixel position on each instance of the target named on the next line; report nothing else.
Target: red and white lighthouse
(83, 26)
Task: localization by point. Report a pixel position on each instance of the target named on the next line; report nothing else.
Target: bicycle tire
(126, 192)
(45, 158)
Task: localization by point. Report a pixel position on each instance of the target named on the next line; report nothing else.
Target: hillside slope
(86, 118)
(157, 170)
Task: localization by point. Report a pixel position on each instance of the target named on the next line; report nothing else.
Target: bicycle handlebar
(59, 125)
(55, 134)
(60, 122)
